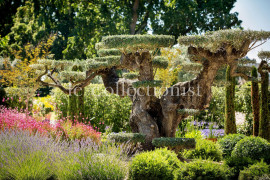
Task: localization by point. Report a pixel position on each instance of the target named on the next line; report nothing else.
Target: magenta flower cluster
(14, 119)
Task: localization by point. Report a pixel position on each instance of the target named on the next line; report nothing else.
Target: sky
(255, 15)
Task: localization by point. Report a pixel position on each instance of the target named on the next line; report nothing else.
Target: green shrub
(16, 97)
(238, 164)
(127, 137)
(255, 148)
(158, 164)
(204, 149)
(228, 142)
(173, 142)
(203, 169)
(254, 171)
(101, 108)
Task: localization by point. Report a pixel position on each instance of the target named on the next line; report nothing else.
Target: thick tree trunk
(150, 115)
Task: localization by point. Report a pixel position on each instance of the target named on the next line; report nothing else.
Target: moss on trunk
(264, 121)
(230, 124)
(255, 100)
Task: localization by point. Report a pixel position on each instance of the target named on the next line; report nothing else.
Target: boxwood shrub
(158, 164)
(255, 148)
(238, 164)
(254, 171)
(203, 169)
(205, 149)
(228, 142)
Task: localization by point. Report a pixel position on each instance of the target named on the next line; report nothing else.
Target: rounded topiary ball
(255, 148)
(228, 142)
(158, 164)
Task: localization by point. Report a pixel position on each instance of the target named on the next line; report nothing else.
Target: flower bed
(13, 119)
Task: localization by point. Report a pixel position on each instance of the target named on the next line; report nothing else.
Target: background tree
(264, 70)
(157, 117)
(80, 24)
(8, 9)
(20, 73)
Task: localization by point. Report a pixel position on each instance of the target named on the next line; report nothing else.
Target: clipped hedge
(127, 137)
(153, 83)
(160, 62)
(255, 148)
(131, 75)
(187, 143)
(158, 164)
(228, 142)
(135, 42)
(108, 52)
(204, 149)
(188, 111)
(203, 169)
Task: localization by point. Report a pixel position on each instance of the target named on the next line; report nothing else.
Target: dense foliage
(255, 148)
(255, 171)
(205, 149)
(101, 108)
(158, 164)
(79, 25)
(228, 142)
(127, 137)
(203, 169)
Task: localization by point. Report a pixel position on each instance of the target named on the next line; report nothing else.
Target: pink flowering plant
(63, 129)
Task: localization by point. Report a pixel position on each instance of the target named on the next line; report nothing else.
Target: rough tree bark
(159, 117)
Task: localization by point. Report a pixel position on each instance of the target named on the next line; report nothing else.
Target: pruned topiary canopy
(264, 55)
(232, 37)
(136, 42)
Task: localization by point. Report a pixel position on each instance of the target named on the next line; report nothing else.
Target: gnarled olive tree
(159, 117)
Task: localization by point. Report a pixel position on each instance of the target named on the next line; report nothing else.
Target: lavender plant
(24, 156)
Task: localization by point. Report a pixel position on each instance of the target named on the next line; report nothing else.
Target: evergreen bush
(228, 142)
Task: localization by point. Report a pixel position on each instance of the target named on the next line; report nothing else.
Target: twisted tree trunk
(159, 117)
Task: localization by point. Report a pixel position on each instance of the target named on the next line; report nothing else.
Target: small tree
(264, 70)
(20, 73)
(157, 117)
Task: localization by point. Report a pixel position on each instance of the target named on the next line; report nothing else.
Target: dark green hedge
(187, 143)
(127, 137)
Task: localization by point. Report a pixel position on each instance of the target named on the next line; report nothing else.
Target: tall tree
(80, 24)
(230, 124)
(8, 9)
(181, 17)
(264, 70)
(255, 100)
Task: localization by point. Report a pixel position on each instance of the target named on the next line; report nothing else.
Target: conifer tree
(264, 70)
(255, 100)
